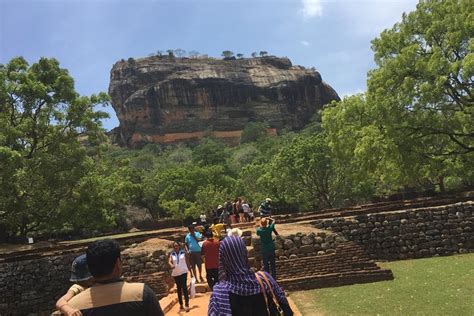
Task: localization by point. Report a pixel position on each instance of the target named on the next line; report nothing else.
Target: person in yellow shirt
(217, 228)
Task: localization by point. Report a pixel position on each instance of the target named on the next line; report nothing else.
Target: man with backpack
(194, 249)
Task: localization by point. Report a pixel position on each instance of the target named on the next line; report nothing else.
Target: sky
(89, 36)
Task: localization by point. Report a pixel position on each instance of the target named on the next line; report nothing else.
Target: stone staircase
(348, 265)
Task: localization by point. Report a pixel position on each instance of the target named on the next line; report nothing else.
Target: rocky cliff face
(165, 100)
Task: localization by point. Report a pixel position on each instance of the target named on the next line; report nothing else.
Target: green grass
(433, 286)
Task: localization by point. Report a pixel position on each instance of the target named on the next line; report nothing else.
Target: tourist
(240, 210)
(246, 210)
(217, 228)
(82, 280)
(194, 249)
(177, 262)
(233, 212)
(265, 209)
(225, 215)
(202, 219)
(238, 291)
(210, 252)
(267, 226)
(110, 295)
(234, 232)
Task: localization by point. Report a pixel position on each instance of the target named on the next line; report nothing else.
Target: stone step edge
(338, 275)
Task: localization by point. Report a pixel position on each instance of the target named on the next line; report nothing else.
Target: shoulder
(76, 289)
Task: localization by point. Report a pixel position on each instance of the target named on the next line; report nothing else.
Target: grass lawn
(433, 286)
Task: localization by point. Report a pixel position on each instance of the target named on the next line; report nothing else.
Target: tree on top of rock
(193, 54)
(227, 54)
(263, 53)
(180, 52)
(254, 54)
(240, 55)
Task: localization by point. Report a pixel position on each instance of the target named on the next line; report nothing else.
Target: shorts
(195, 259)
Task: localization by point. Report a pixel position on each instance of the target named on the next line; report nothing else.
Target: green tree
(239, 55)
(179, 52)
(254, 54)
(42, 121)
(193, 54)
(263, 53)
(421, 94)
(227, 54)
(306, 174)
(253, 131)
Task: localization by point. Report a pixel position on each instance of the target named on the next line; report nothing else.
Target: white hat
(268, 200)
(234, 232)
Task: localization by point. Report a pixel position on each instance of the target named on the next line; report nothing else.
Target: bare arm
(63, 306)
(170, 261)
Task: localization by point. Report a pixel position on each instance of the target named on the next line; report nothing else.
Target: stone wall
(418, 233)
(300, 245)
(32, 286)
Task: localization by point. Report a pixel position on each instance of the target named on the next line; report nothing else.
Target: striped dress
(235, 276)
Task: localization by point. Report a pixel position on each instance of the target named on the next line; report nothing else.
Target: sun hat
(79, 270)
(219, 207)
(268, 200)
(235, 232)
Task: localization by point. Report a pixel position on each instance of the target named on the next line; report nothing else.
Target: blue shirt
(192, 243)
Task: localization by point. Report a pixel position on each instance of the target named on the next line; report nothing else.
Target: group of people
(236, 288)
(238, 211)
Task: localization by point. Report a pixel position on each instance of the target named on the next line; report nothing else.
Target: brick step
(325, 270)
(315, 261)
(289, 275)
(335, 279)
(328, 265)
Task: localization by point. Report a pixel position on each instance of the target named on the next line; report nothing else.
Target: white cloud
(350, 93)
(311, 8)
(305, 43)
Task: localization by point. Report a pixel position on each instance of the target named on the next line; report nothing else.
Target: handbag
(192, 287)
(279, 310)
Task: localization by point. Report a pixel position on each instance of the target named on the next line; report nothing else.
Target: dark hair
(101, 257)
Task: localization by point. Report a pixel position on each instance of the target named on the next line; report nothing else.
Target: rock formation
(166, 99)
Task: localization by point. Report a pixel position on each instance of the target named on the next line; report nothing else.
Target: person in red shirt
(210, 250)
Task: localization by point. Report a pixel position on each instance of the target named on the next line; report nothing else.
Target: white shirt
(203, 218)
(179, 262)
(246, 207)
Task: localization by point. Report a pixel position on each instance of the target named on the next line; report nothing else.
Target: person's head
(233, 255)
(215, 220)
(80, 272)
(103, 259)
(264, 222)
(176, 246)
(268, 200)
(191, 228)
(237, 232)
(208, 234)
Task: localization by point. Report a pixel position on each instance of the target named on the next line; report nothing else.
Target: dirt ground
(199, 304)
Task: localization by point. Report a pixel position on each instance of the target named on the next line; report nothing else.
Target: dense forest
(412, 130)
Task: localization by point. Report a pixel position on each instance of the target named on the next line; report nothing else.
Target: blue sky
(89, 36)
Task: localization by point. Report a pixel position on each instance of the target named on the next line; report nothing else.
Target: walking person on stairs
(177, 262)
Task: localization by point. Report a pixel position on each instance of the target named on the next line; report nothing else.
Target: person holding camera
(267, 226)
(265, 209)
